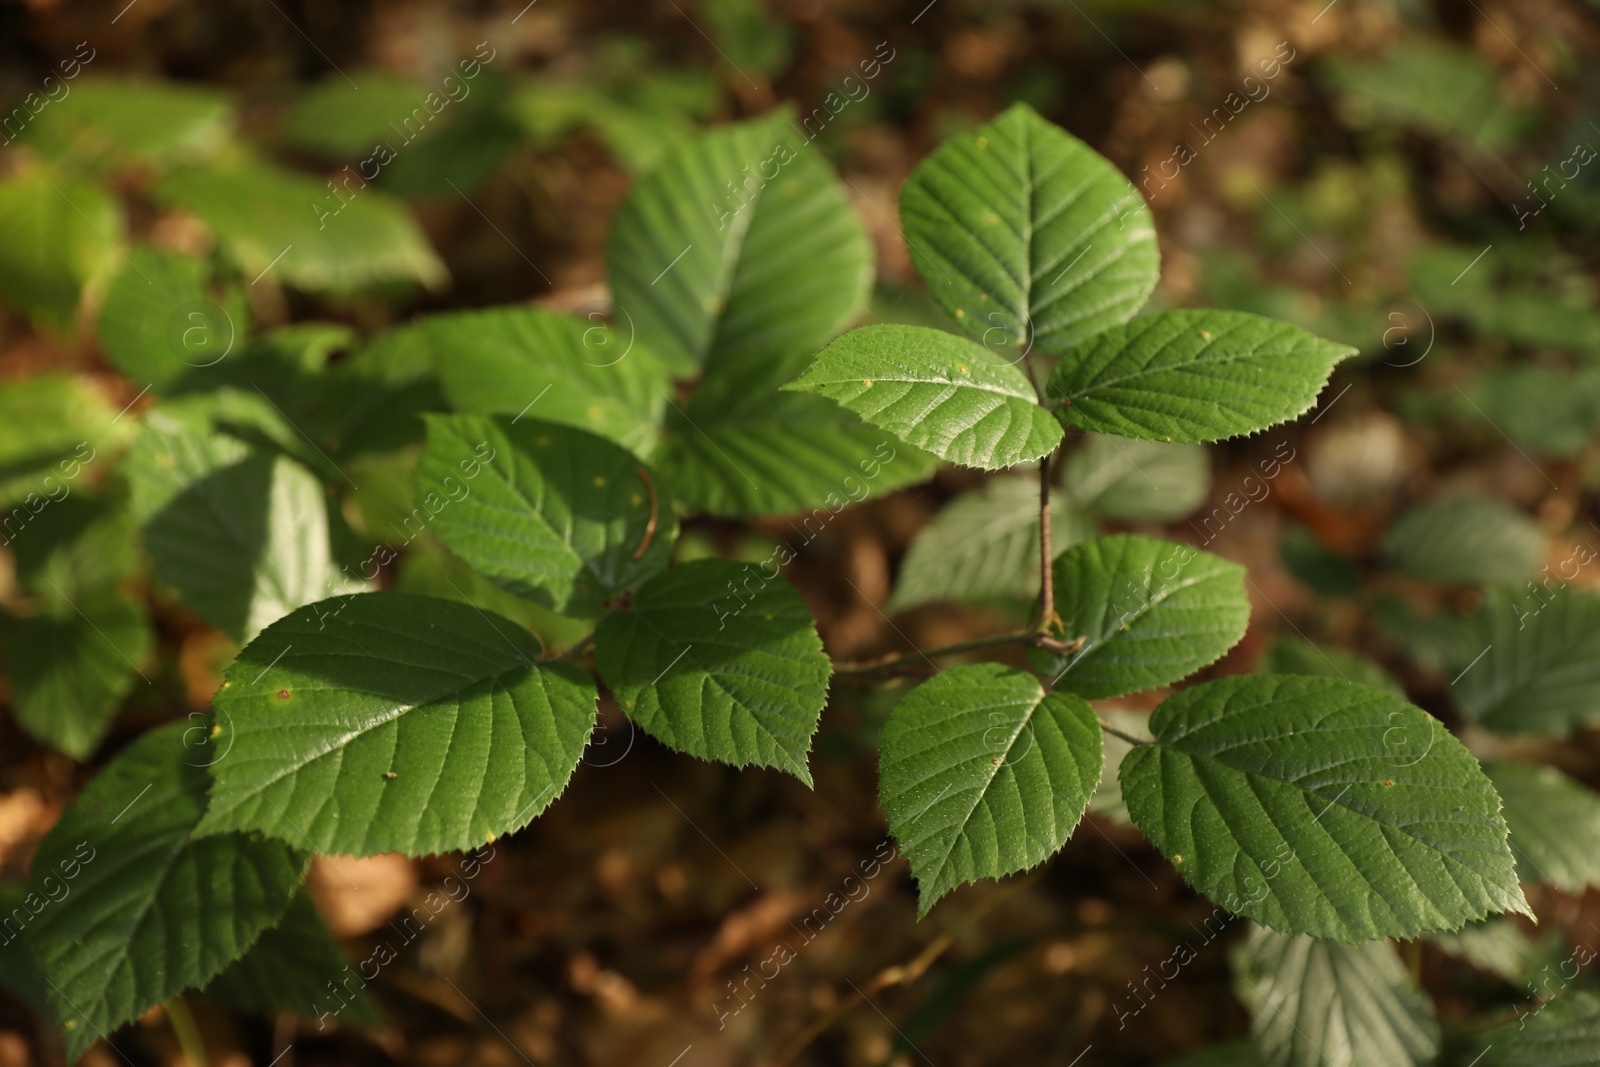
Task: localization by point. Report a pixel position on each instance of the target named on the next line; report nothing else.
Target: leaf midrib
(990, 775)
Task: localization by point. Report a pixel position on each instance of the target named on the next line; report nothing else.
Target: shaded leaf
(1296, 655)
(123, 121)
(720, 660)
(240, 533)
(52, 427)
(537, 364)
(549, 512)
(290, 969)
(1529, 665)
(1321, 1004)
(741, 447)
(1555, 825)
(984, 545)
(1131, 480)
(1469, 540)
(56, 236)
(159, 321)
(70, 669)
(261, 213)
(155, 911)
(1564, 1032)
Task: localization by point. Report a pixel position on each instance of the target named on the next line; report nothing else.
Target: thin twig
(1060, 648)
(650, 527)
(187, 1033)
(901, 974)
(894, 659)
(576, 648)
(1047, 591)
(1114, 732)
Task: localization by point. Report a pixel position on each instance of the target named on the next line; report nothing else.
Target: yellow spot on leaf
(599, 481)
(982, 142)
(867, 382)
(637, 500)
(1177, 859)
(1205, 335)
(960, 314)
(990, 217)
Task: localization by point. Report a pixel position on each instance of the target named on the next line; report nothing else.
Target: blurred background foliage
(1416, 178)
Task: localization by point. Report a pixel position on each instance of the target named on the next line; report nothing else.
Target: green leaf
(1107, 799)
(740, 245)
(1563, 1032)
(1495, 947)
(1555, 825)
(1192, 376)
(1150, 611)
(52, 427)
(335, 119)
(1550, 412)
(548, 512)
(386, 722)
(56, 236)
(290, 969)
(1296, 655)
(984, 774)
(984, 545)
(79, 546)
(261, 213)
(1299, 803)
(160, 321)
(19, 974)
(1020, 230)
(71, 669)
(154, 910)
(428, 569)
(374, 400)
(124, 121)
(1320, 1004)
(1440, 88)
(1466, 540)
(936, 391)
(240, 533)
(720, 660)
(1130, 480)
(1531, 665)
(526, 362)
(742, 447)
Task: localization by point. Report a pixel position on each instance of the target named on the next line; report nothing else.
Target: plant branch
(1021, 637)
(895, 659)
(900, 974)
(187, 1033)
(1047, 592)
(575, 650)
(1114, 732)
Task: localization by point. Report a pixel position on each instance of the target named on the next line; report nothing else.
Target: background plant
(245, 483)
